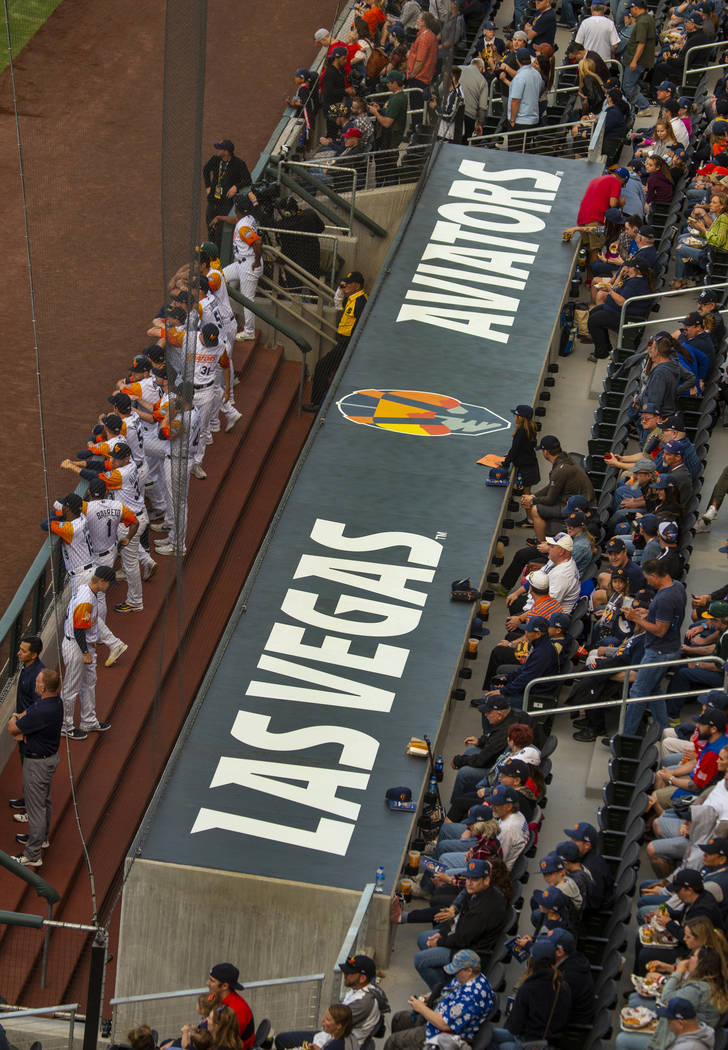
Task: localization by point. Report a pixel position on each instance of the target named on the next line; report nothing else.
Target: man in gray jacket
(474, 87)
(683, 1023)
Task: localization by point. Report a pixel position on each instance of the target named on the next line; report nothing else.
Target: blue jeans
(429, 962)
(685, 252)
(630, 82)
(689, 678)
(502, 1039)
(647, 683)
(519, 13)
(466, 781)
(567, 13)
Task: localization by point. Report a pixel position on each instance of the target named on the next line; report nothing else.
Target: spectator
(692, 776)
(598, 33)
(576, 972)
(224, 1028)
(586, 838)
(541, 662)
(673, 63)
(569, 853)
(512, 827)
(483, 751)
(223, 981)
(523, 93)
(660, 187)
(708, 306)
(662, 622)
(711, 235)
(458, 1010)
(554, 874)
(667, 537)
(639, 54)
(688, 886)
(474, 88)
(224, 175)
(334, 83)
(476, 926)
(452, 31)
(522, 453)
(673, 429)
(660, 388)
(566, 478)
(391, 125)
(704, 673)
(605, 316)
(449, 108)
(542, 1004)
(543, 28)
(619, 558)
(422, 55)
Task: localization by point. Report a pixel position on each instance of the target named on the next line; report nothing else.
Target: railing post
(95, 984)
(623, 708)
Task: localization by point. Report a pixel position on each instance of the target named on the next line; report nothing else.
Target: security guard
(354, 297)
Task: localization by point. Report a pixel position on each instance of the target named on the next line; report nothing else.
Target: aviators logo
(420, 413)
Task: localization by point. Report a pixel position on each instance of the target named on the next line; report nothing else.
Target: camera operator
(306, 251)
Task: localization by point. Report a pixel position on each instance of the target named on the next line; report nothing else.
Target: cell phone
(627, 602)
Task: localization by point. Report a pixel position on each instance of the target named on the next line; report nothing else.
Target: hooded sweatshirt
(576, 971)
(696, 992)
(661, 386)
(703, 1039)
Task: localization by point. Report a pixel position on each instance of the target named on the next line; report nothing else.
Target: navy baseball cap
(226, 973)
(551, 898)
(665, 85)
(709, 296)
(301, 72)
(615, 545)
(73, 501)
(568, 851)
(120, 401)
(621, 173)
(716, 698)
(358, 964)
(551, 863)
(711, 716)
(715, 845)
(477, 869)
(225, 144)
(663, 483)
(120, 450)
(497, 703)
(649, 406)
(576, 519)
(339, 52)
(398, 794)
(515, 767)
(583, 832)
(676, 447)
(615, 215)
(97, 487)
(548, 441)
(537, 623)
(491, 25)
(575, 503)
(677, 1009)
(526, 411)
(643, 597)
(501, 795)
(561, 938)
(560, 619)
(543, 949)
(649, 523)
(674, 422)
(477, 813)
(687, 877)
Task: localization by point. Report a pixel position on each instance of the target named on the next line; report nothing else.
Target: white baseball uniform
(79, 679)
(242, 269)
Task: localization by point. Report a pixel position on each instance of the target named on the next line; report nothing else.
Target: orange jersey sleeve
(132, 389)
(224, 360)
(248, 235)
(173, 335)
(103, 448)
(113, 479)
(64, 529)
(82, 616)
(214, 279)
(128, 517)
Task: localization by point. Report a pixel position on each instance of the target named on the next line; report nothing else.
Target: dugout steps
(147, 695)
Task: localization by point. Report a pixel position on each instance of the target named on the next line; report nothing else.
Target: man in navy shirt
(40, 730)
(604, 317)
(29, 652)
(543, 28)
(662, 622)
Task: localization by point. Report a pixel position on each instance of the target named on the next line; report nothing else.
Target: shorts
(591, 239)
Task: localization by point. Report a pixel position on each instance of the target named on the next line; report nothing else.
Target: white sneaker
(198, 472)
(209, 440)
(120, 575)
(711, 513)
(149, 571)
(702, 525)
(27, 862)
(166, 548)
(116, 652)
(158, 526)
(233, 418)
(236, 380)
(214, 427)
(245, 337)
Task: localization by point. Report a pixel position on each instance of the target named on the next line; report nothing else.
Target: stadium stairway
(147, 694)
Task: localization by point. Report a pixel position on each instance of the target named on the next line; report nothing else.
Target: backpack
(376, 63)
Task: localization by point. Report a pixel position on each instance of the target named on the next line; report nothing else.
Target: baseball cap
(717, 698)
(693, 318)
(619, 574)
(674, 422)
(551, 863)
(669, 531)
(476, 813)
(643, 597)
(526, 411)
(398, 794)
(355, 276)
(621, 173)
(677, 1009)
(711, 716)
(97, 487)
(665, 85)
(120, 401)
(615, 545)
(477, 869)
(301, 72)
(583, 832)
(501, 795)
(692, 15)
(543, 950)
(709, 296)
(716, 610)
(523, 54)
(548, 443)
(464, 959)
(393, 74)
(514, 767)
(225, 144)
(210, 249)
(339, 52)
(575, 503)
(560, 619)
(687, 877)
(663, 482)
(561, 938)
(141, 363)
(398, 30)
(105, 572)
(646, 230)
(538, 579)
(649, 406)
(537, 623)
(210, 333)
(491, 25)
(320, 34)
(497, 703)
(568, 851)
(359, 964)
(551, 898)
(352, 133)
(649, 524)
(644, 464)
(614, 215)
(561, 539)
(575, 519)
(715, 845)
(226, 973)
(73, 501)
(113, 422)
(120, 450)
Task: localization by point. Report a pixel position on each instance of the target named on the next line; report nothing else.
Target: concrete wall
(177, 921)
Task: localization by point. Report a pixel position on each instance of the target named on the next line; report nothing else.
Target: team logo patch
(420, 413)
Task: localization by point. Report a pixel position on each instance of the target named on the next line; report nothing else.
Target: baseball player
(181, 429)
(79, 656)
(247, 265)
(120, 426)
(147, 395)
(104, 517)
(229, 327)
(210, 359)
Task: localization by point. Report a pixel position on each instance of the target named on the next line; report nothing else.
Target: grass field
(26, 18)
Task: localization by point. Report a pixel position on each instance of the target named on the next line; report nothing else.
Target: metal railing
(662, 321)
(326, 166)
(611, 672)
(294, 303)
(320, 237)
(25, 1027)
(354, 942)
(289, 1002)
(687, 71)
(552, 140)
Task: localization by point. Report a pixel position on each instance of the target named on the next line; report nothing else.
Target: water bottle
(439, 765)
(431, 793)
(379, 880)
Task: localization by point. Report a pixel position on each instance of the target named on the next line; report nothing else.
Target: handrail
(303, 167)
(182, 992)
(314, 283)
(530, 137)
(611, 672)
(287, 180)
(9, 1014)
(41, 887)
(351, 933)
(283, 302)
(623, 323)
(280, 326)
(319, 237)
(699, 47)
